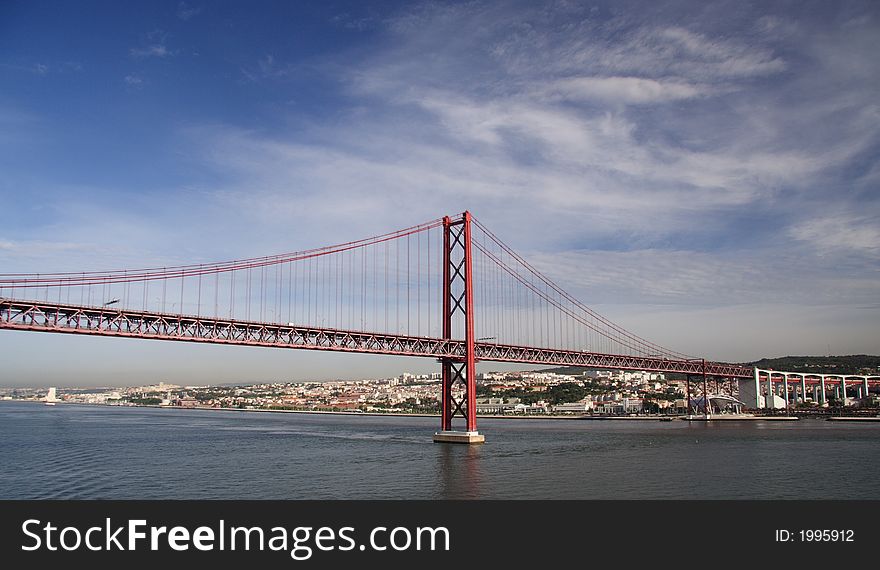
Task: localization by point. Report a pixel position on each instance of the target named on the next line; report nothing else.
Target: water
(94, 452)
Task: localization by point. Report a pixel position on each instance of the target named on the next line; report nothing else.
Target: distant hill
(852, 364)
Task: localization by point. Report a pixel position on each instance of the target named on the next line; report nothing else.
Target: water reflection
(460, 470)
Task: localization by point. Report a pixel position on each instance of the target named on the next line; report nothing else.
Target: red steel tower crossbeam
(458, 374)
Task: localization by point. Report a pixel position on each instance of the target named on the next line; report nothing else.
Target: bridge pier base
(459, 437)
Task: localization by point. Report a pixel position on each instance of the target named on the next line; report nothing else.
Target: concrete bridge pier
(787, 394)
(750, 391)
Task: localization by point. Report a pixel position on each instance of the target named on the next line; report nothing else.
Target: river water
(97, 452)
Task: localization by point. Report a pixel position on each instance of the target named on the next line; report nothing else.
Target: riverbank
(662, 418)
(373, 414)
(854, 419)
(741, 418)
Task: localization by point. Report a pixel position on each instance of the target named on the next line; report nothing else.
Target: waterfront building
(580, 407)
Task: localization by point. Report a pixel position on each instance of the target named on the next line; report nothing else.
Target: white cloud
(722, 57)
(186, 12)
(155, 50)
(717, 278)
(351, 22)
(154, 45)
(832, 233)
(626, 45)
(267, 68)
(134, 80)
(624, 90)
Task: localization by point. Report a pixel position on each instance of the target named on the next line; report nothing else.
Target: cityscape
(535, 393)
(594, 393)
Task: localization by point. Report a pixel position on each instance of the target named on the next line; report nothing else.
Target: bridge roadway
(104, 321)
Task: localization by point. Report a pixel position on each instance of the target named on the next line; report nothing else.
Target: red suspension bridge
(448, 289)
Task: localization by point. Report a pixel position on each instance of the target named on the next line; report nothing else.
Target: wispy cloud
(848, 232)
(154, 50)
(153, 46)
(134, 80)
(186, 12)
(43, 69)
(352, 22)
(719, 278)
(268, 68)
(624, 90)
(27, 248)
(267, 64)
(699, 55)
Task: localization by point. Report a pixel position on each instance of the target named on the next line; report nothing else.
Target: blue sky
(704, 173)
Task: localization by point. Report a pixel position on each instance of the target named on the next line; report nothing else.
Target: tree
(566, 392)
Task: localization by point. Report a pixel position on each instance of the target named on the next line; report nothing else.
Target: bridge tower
(459, 388)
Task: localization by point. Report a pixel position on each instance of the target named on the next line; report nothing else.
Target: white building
(573, 407)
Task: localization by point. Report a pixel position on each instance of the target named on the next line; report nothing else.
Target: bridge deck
(103, 321)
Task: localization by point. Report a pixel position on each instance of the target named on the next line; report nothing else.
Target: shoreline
(335, 412)
(374, 414)
(656, 418)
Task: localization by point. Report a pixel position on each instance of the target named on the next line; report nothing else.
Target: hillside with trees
(850, 364)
